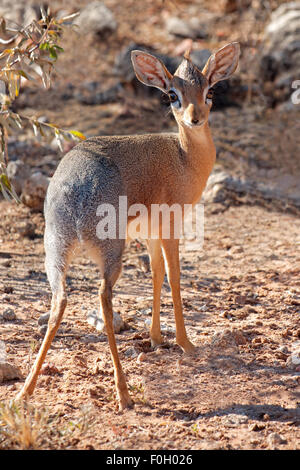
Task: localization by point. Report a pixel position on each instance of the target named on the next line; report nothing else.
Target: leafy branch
(32, 54)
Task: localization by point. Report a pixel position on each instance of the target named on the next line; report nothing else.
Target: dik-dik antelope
(168, 168)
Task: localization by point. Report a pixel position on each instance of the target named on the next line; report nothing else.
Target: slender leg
(120, 381)
(158, 273)
(171, 254)
(58, 306)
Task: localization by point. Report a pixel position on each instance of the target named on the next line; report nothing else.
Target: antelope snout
(192, 116)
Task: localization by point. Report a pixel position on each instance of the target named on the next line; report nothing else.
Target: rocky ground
(240, 289)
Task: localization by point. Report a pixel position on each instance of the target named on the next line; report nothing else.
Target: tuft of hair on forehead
(189, 72)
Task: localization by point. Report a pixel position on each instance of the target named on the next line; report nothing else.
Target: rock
(43, 319)
(91, 339)
(111, 95)
(48, 368)
(192, 28)
(42, 330)
(293, 361)
(94, 318)
(199, 57)
(256, 427)
(274, 439)
(228, 338)
(9, 372)
(18, 172)
(141, 357)
(19, 12)
(163, 327)
(144, 263)
(34, 191)
(27, 229)
(131, 352)
(220, 187)
(9, 314)
(96, 18)
(233, 420)
(229, 6)
(281, 53)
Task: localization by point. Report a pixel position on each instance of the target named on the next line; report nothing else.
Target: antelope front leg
(158, 274)
(171, 254)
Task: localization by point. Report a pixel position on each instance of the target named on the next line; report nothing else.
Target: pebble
(42, 330)
(256, 427)
(9, 314)
(274, 439)
(27, 229)
(49, 369)
(43, 319)
(141, 357)
(131, 352)
(94, 319)
(92, 338)
(234, 419)
(293, 360)
(9, 372)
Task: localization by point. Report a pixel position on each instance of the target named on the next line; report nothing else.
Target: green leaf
(44, 46)
(4, 180)
(60, 49)
(53, 53)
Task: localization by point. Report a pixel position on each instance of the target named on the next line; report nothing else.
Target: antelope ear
(150, 70)
(222, 63)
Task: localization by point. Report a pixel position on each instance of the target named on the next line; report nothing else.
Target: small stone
(141, 357)
(9, 372)
(96, 18)
(94, 318)
(9, 314)
(34, 190)
(293, 360)
(144, 263)
(283, 349)
(97, 391)
(192, 28)
(256, 427)
(274, 439)
(234, 419)
(42, 330)
(43, 319)
(286, 333)
(18, 172)
(131, 352)
(92, 339)
(8, 289)
(49, 369)
(27, 229)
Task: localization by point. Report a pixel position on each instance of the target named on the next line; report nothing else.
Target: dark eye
(172, 96)
(209, 95)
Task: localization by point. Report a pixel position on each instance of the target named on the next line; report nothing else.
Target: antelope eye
(172, 96)
(209, 95)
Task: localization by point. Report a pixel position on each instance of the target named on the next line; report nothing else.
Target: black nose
(195, 121)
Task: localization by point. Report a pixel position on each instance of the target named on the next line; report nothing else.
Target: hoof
(21, 396)
(125, 403)
(187, 347)
(155, 342)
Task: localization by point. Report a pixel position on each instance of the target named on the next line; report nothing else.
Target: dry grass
(24, 427)
(21, 425)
